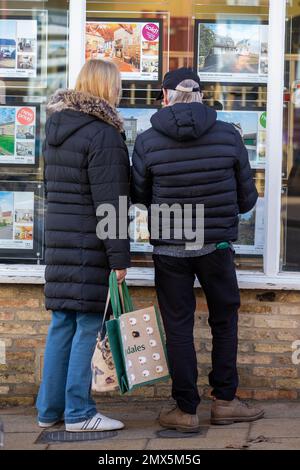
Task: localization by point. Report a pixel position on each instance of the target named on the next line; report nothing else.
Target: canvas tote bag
(104, 374)
(136, 341)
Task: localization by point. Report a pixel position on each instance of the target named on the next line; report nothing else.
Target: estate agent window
(231, 44)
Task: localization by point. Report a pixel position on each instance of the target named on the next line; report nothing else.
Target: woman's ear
(166, 100)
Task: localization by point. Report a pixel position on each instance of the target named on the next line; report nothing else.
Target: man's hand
(121, 274)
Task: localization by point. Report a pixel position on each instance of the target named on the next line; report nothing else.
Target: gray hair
(178, 96)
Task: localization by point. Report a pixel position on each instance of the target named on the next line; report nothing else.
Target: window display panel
(252, 125)
(23, 45)
(134, 45)
(33, 65)
(251, 231)
(19, 133)
(21, 220)
(138, 231)
(231, 51)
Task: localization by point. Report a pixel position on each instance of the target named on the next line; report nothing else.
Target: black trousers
(174, 280)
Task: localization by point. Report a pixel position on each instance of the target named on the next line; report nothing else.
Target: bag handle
(120, 296)
(128, 305)
(104, 314)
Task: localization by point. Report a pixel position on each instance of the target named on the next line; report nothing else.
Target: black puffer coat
(188, 157)
(86, 164)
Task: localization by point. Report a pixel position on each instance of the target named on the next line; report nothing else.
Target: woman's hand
(121, 274)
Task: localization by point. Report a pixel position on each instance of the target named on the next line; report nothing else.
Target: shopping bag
(136, 341)
(104, 375)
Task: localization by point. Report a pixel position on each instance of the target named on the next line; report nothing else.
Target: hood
(184, 121)
(61, 123)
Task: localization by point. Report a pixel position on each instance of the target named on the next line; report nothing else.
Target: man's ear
(166, 100)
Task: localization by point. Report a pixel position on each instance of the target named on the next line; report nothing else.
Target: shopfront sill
(144, 277)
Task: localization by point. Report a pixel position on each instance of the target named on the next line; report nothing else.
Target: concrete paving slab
(277, 444)
(112, 444)
(278, 427)
(20, 423)
(22, 441)
(215, 439)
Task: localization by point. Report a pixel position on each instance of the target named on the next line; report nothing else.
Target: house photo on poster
(135, 46)
(18, 135)
(251, 231)
(136, 121)
(18, 48)
(232, 51)
(253, 130)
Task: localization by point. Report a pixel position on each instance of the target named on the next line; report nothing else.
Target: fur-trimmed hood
(85, 103)
(62, 123)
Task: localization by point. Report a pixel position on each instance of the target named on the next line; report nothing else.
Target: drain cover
(47, 437)
(173, 434)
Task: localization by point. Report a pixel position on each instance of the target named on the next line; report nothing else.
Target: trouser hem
(80, 419)
(50, 420)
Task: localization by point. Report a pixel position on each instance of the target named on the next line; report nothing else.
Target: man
(188, 157)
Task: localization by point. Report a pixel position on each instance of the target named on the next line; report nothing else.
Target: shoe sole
(43, 426)
(48, 425)
(181, 428)
(93, 430)
(226, 421)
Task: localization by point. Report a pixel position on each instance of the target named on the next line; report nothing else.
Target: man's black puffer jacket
(188, 157)
(86, 164)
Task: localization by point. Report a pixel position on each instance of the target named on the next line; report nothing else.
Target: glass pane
(227, 42)
(290, 259)
(33, 64)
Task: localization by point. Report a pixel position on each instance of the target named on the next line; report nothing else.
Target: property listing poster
(17, 135)
(251, 231)
(252, 125)
(136, 121)
(232, 51)
(16, 220)
(138, 230)
(133, 46)
(18, 48)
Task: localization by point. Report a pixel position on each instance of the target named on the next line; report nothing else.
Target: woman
(86, 164)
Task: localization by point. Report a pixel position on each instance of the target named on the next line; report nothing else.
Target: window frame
(271, 277)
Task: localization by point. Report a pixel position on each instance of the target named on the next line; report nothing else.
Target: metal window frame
(271, 278)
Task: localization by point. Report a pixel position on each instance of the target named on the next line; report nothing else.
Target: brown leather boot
(235, 411)
(179, 420)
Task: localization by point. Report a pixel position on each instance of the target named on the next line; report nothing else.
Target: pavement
(279, 430)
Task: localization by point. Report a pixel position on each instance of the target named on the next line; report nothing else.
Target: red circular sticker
(25, 116)
(150, 31)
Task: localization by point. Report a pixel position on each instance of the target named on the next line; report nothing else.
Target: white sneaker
(47, 425)
(98, 422)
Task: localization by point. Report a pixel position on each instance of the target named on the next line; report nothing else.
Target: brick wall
(269, 323)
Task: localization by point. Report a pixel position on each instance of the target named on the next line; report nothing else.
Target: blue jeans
(65, 390)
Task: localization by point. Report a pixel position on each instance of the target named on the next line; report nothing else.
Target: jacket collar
(85, 103)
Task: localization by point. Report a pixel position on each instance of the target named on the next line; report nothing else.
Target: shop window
(227, 42)
(33, 64)
(290, 259)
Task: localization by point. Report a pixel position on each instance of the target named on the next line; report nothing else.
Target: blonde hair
(177, 96)
(102, 79)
